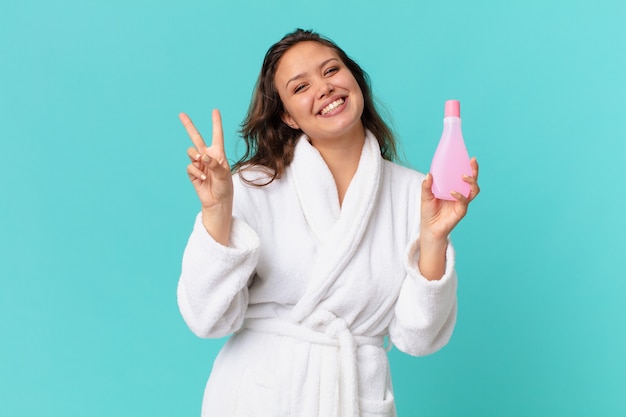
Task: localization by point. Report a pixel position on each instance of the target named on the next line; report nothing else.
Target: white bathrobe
(311, 290)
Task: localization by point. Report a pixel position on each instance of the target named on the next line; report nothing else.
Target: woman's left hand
(439, 217)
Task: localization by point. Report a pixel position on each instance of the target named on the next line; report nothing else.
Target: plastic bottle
(451, 160)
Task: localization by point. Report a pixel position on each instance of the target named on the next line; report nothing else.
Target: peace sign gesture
(210, 175)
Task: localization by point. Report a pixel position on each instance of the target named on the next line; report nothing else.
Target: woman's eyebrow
(302, 74)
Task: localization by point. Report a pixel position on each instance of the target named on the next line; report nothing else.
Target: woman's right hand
(210, 175)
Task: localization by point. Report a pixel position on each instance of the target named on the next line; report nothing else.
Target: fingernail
(198, 156)
(203, 177)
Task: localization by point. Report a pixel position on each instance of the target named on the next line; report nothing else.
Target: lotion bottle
(451, 160)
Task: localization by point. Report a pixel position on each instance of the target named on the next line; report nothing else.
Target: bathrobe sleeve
(213, 286)
(425, 312)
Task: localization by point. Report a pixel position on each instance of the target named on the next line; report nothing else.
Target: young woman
(317, 248)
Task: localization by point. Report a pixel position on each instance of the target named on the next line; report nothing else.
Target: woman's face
(320, 95)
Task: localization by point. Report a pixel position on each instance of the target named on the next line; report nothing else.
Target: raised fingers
(218, 133)
(193, 133)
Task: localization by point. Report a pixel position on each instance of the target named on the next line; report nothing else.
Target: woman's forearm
(432, 257)
(217, 221)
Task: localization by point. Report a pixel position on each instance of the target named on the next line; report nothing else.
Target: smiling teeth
(332, 106)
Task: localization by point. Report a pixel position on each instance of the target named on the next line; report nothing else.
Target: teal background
(96, 207)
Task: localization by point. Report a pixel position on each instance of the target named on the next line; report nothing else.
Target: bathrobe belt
(324, 328)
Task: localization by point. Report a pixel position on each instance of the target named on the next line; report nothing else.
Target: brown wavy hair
(270, 142)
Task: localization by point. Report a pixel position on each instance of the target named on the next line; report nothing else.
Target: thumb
(427, 185)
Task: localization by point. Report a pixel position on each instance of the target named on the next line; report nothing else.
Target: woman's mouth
(332, 106)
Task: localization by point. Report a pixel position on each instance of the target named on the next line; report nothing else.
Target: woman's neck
(342, 157)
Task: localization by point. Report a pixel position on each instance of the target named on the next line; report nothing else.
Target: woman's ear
(289, 121)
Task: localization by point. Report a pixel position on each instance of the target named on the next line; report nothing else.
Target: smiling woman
(284, 253)
(323, 99)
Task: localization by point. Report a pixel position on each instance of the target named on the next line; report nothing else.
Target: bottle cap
(453, 108)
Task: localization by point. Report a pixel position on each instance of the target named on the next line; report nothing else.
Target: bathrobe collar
(339, 230)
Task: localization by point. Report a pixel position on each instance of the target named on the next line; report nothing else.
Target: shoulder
(256, 182)
(401, 194)
(253, 176)
(401, 174)
(255, 194)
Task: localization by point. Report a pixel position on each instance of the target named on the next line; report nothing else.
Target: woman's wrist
(433, 243)
(432, 256)
(217, 221)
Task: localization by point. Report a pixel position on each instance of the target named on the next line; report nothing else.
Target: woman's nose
(326, 89)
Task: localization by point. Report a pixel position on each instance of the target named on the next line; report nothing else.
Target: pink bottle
(451, 160)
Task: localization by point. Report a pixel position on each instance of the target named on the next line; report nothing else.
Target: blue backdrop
(96, 207)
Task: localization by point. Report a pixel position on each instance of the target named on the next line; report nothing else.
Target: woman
(317, 248)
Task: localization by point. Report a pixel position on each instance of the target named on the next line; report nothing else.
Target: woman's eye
(299, 88)
(331, 70)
